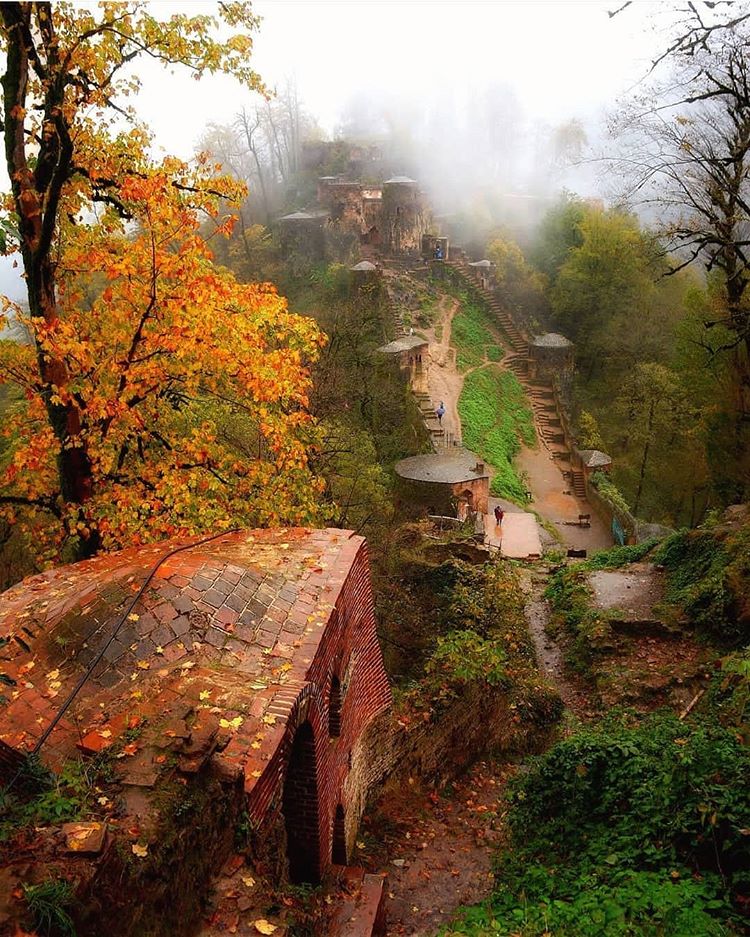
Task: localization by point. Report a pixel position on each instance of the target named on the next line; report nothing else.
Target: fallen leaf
(133, 617)
(140, 851)
(144, 664)
(204, 694)
(263, 926)
(231, 723)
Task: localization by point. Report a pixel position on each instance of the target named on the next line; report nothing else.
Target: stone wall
(437, 498)
(483, 720)
(405, 218)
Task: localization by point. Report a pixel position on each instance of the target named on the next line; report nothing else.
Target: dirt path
(437, 847)
(445, 383)
(549, 654)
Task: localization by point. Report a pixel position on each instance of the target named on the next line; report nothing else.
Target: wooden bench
(584, 520)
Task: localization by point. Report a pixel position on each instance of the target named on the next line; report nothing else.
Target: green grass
(473, 336)
(496, 418)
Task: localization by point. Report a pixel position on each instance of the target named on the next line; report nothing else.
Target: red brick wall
(348, 649)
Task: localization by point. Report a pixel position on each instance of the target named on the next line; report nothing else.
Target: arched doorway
(300, 806)
(338, 852)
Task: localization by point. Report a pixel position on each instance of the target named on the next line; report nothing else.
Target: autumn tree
(129, 399)
(685, 155)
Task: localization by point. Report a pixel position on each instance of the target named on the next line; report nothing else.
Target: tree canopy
(158, 395)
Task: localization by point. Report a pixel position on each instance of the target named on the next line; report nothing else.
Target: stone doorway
(300, 806)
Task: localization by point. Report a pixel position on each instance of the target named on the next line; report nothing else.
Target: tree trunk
(36, 195)
(644, 459)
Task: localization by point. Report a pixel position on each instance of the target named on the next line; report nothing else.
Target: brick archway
(300, 806)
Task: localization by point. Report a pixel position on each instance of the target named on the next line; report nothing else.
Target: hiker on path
(440, 413)
(499, 515)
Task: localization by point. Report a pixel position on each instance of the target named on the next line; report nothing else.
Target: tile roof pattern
(551, 340)
(447, 467)
(592, 458)
(225, 629)
(405, 343)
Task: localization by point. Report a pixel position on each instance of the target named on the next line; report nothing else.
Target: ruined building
(350, 216)
(230, 676)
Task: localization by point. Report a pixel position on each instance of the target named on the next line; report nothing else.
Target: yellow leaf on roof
(144, 664)
(133, 617)
(159, 649)
(255, 745)
(53, 674)
(140, 851)
(231, 723)
(204, 694)
(269, 719)
(187, 665)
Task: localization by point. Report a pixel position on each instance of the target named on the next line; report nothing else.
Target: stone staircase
(517, 341)
(577, 484)
(427, 409)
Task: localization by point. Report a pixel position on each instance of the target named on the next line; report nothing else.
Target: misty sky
(561, 59)
(555, 60)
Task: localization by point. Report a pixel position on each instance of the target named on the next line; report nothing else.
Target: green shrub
(621, 556)
(626, 830)
(707, 578)
(610, 492)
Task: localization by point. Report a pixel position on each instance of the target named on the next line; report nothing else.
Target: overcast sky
(563, 59)
(559, 60)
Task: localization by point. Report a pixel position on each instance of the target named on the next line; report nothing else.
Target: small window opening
(334, 708)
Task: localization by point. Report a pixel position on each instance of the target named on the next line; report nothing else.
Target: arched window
(338, 851)
(334, 708)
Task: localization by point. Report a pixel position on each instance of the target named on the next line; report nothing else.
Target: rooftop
(364, 265)
(405, 343)
(481, 263)
(593, 458)
(446, 468)
(400, 180)
(303, 216)
(220, 629)
(551, 340)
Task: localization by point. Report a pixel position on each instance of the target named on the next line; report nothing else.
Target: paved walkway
(518, 537)
(556, 503)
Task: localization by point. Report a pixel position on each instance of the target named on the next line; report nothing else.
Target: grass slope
(496, 418)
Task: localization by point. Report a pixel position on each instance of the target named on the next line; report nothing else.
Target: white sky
(561, 59)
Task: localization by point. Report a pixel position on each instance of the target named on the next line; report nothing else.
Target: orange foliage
(160, 396)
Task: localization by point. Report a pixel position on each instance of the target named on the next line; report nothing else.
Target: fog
(479, 101)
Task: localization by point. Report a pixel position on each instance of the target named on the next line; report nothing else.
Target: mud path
(437, 847)
(549, 654)
(445, 383)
